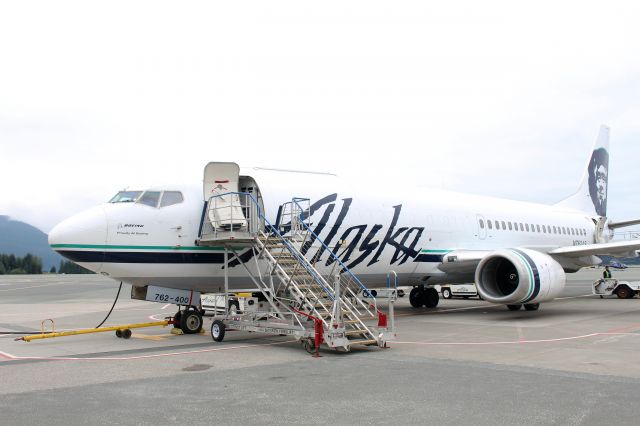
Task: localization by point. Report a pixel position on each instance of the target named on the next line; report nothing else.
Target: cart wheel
(601, 297)
(217, 330)
(514, 307)
(446, 293)
(118, 334)
(531, 306)
(624, 292)
(309, 345)
(126, 333)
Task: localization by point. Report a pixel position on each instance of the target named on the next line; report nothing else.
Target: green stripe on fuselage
(120, 247)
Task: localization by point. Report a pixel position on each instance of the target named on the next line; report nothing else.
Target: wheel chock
(176, 331)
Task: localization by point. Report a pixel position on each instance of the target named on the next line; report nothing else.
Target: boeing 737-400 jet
(516, 252)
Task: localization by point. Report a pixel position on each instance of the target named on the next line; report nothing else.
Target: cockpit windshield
(126, 197)
(149, 198)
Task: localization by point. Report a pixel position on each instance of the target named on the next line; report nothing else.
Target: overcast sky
(495, 98)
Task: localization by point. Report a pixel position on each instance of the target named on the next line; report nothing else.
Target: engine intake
(514, 276)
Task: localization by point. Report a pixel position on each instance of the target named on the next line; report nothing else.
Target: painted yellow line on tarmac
(156, 337)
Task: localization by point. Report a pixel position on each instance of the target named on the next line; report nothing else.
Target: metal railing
(243, 217)
(231, 214)
(350, 283)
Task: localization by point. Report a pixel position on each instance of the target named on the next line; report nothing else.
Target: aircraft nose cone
(82, 231)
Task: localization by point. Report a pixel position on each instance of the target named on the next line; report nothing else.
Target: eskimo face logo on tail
(598, 179)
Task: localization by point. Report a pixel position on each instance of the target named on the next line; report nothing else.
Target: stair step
(356, 332)
(363, 342)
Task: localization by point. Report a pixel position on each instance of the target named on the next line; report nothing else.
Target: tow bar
(123, 331)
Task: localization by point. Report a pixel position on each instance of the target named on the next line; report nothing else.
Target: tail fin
(591, 196)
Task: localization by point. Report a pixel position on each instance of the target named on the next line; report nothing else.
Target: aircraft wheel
(233, 308)
(126, 333)
(446, 293)
(217, 330)
(431, 297)
(514, 307)
(374, 293)
(531, 306)
(416, 297)
(191, 321)
(119, 334)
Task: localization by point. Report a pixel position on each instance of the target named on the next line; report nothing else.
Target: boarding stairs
(306, 293)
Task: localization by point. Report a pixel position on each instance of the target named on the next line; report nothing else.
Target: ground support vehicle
(611, 286)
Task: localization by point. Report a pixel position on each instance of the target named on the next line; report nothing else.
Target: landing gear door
(220, 178)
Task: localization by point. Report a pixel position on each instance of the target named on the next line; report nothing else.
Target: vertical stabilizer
(591, 196)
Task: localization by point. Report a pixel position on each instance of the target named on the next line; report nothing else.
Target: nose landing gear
(188, 320)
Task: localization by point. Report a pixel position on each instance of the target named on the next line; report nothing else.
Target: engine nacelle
(514, 276)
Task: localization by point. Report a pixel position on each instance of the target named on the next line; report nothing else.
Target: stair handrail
(365, 290)
(319, 278)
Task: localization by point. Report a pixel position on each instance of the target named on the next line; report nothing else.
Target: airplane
(518, 253)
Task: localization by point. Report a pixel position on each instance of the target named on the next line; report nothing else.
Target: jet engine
(519, 276)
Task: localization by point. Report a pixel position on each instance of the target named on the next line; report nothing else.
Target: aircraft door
(220, 178)
(481, 226)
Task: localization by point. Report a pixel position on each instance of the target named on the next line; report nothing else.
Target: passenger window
(538, 228)
(497, 224)
(521, 226)
(170, 198)
(544, 229)
(490, 225)
(504, 225)
(510, 227)
(527, 226)
(481, 222)
(150, 198)
(554, 230)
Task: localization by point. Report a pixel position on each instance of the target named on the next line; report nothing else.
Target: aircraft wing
(617, 248)
(462, 261)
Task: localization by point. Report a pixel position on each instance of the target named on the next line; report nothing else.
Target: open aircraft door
(220, 190)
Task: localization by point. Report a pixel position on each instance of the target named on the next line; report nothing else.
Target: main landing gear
(188, 320)
(421, 296)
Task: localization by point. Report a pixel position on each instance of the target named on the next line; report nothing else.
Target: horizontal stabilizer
(624, 223)
(618, 248)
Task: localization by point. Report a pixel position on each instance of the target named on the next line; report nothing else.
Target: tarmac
(575, 361)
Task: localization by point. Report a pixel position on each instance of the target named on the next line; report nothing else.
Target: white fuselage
(372, 230)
